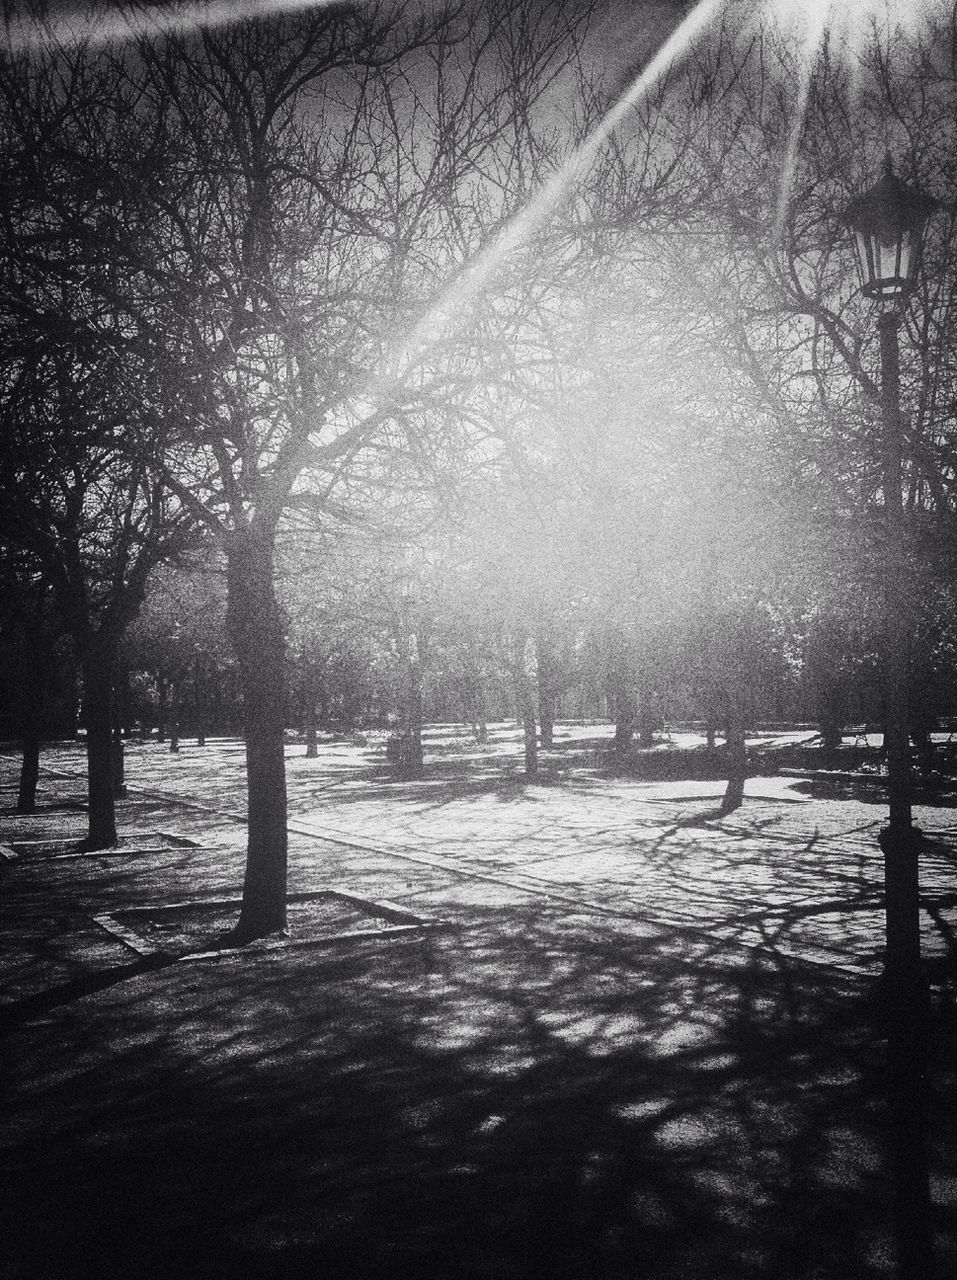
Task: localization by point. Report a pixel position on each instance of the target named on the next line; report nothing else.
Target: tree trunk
(737, 761)
(416, 726)
(524, 674)
(546, 689)
(118, 762)
(621, 696)
(214, 701)
(711, 717)
(29, 770)
(410, 740)
(830, 716)
(255, 628)
(410, 763)
(162, 708)
(201, 700)
(531, 738)
(475, 701)
(31, 721)
(646, 720)
(832, 733)
(71, 719)
(174, 712)
(126, 706)
(922, 725)
(99, 663)
(479, 713)
(309, 717)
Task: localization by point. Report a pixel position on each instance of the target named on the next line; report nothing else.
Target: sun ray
(442, 315)
(93, 30)
(813, 37)
(849, 24)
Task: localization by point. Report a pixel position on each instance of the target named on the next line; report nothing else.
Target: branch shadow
(540, 1096)
(450, 783)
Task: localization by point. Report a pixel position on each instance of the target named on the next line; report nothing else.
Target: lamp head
(888, 224)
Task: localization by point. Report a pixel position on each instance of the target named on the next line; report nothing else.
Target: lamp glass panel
(886, 256)
(865, 263)
(908, 242)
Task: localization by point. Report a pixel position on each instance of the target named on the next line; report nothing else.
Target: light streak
(846, 26)
(543, 203)
(96, 30)
(849, 24)
(813, 35)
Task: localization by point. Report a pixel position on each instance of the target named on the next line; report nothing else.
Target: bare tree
(328, 180)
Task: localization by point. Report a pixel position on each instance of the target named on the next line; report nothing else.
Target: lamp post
(888, 223)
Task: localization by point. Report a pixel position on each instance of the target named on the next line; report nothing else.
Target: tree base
(93, 844)
(733, 799)
(246, 931)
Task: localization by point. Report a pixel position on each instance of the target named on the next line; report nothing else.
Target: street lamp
(888, 223)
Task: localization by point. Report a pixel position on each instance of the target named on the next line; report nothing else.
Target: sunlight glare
(848, 24)
(847, 27)
(810, 37)
(96, 30)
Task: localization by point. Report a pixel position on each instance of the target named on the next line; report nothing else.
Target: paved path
(644, 1046)
(791, 876)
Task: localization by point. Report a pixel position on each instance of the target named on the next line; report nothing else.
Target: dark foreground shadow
(17, 1012)
(535, 1097)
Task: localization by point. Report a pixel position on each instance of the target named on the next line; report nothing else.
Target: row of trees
(448, 630)
(263, 301)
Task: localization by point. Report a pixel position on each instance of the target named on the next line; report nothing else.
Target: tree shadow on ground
(873, 790)
(44, 807)
(448, 782)
(820, 895)
(540, 1096)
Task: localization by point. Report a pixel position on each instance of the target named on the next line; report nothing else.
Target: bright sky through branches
(478, 274)
(846, 25)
